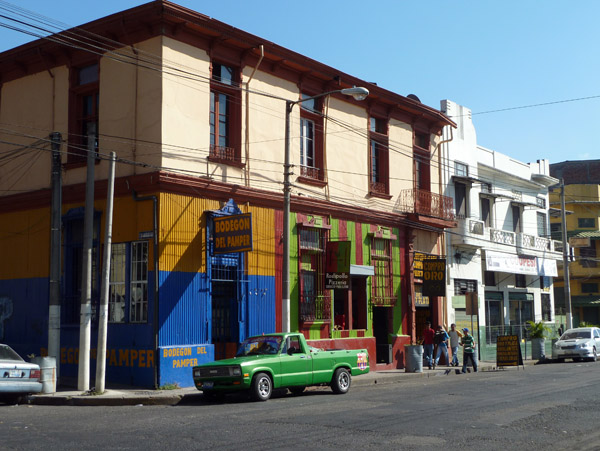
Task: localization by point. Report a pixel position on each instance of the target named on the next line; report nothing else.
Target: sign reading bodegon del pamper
(232, 233)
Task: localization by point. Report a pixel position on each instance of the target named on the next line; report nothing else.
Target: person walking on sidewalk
(455, 335)
(468, 344)
(428, 334)
(441, 340)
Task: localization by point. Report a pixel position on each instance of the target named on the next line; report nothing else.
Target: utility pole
(85, 318)
(55, 251)
(105, 291)
(566, 277)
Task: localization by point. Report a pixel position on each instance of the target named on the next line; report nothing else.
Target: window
(378, 156)
(225, 115)
(546, 307)
(589, 287)
(117, 283)
(73, 266)
(460, 195)
(516, 218)
(138, 312)
(542, 224)
(83, 112)
(489, 278)
(382, 290)
(311, 140)
(461, 169)
(586, 223)
(545, 283)
(421, 158)
(315, 301)
(556, 230)
(587, 256)
(540, 202)
(520, 281)
(486, 211)
(464, 286)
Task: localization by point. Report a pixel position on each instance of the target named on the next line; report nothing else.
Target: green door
(296, 365)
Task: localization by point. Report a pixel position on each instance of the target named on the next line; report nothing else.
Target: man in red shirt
(428, 334)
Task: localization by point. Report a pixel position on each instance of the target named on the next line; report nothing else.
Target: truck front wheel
(341, 381)
(262, 387)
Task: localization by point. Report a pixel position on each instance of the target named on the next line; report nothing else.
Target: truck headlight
(237, 371)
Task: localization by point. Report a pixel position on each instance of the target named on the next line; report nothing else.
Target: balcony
(503, 237)
(426, 203)
(525, 241)
(315, 308)
(222, 154)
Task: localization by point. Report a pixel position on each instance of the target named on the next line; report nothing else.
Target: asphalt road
(554, 406)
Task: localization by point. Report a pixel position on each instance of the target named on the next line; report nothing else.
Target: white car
(17, 377)
(577, 344)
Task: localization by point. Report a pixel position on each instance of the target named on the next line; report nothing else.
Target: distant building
(501, 252)
(582, 202)
(195, 111)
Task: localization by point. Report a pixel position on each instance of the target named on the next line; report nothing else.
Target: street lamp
(359, 94)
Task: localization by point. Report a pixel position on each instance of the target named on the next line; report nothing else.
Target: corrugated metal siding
(24, 244)
(261, 305)
(261, 261)
(184, 308)
(278, 267)
(181, 228)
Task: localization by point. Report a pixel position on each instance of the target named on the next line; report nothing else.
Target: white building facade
(500, 253)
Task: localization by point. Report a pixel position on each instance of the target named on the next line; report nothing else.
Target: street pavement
(139, 396)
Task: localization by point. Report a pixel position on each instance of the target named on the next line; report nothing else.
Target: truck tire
(262, 387)
(341, 381)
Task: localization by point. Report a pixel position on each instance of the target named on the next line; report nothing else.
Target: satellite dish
(414, 97)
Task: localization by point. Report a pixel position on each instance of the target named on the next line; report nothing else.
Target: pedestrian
(455, 335)
(428, 334)
(468, 344)
(441, 340)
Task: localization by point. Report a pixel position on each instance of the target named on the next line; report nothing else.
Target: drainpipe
(247, 131)
(154, 200)
(441, 184)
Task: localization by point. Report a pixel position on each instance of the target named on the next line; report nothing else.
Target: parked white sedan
(17, 377)
(577, 344)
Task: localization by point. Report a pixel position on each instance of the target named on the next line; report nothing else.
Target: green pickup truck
(267, 362)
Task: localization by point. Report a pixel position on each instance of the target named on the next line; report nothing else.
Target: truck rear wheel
(262, 387)
(341, 381)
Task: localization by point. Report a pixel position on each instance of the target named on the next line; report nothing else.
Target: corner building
(195, 113)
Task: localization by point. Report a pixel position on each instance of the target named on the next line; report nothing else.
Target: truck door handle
(302, 356)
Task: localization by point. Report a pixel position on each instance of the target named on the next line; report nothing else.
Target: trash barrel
(47, 373)
(413, 358)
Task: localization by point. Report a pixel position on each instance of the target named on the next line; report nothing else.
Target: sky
(527, 69)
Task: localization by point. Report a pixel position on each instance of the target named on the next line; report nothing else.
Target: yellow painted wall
(24, 244)
(182, 227)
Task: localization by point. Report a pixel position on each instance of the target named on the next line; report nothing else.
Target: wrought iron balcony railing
(427, 203)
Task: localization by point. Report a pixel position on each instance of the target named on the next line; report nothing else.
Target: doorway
(381, 331)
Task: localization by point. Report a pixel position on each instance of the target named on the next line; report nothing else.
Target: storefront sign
(508, 351)
(337, 264)
(520, 264)
(233, 233)
(434, 277)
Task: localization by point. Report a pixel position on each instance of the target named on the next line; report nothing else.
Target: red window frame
(314, 305)
(379, 180)
(225, 112)
(422, 161)
(84, 99)
(382, 282)
(312, 112)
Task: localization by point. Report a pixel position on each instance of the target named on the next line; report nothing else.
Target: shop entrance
(381, 331)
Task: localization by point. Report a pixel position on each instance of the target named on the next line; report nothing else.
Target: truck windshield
(264, 345)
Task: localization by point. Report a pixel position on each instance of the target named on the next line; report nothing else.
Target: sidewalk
(148, 397)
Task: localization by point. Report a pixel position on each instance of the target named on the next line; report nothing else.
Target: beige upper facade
(154, 111)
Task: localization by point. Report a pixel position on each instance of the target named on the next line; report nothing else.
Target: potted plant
(413, 357)
(537, 334)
